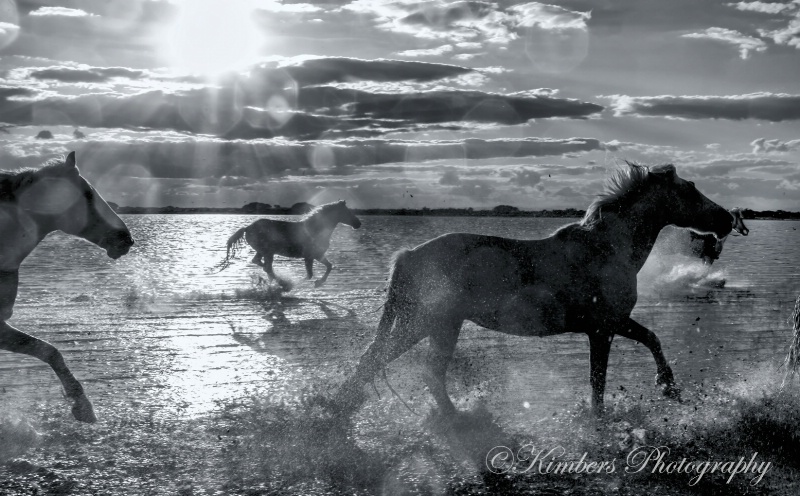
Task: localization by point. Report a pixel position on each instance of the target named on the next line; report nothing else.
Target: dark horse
(307, 238)
(34, 203)
(580, 279)
(707, 247)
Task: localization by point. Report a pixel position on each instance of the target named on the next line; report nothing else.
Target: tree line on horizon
(300, 208)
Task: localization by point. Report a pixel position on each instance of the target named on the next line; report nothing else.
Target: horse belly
(533, 311)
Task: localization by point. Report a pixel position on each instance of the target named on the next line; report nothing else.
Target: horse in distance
(308, 238)
(34, 203)
(580, 279)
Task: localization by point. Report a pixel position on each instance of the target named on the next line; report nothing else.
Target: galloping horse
(708, 247)
(34, 203)
(580, 279)
(307, 238)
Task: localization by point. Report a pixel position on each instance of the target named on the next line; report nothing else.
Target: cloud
(525, 178)
(292, 101)
(430, 52)
(293, 8)
(469, 21)
(788, 35)
(763, 145)
(762, 7)
(476, 189)
(723, 167)
(551, 17)
(8, 33)
(60, 12)
(744, 43)
(88, 75)
(475, 106)
(178, 156)
(450, 178)
(789, 11)
(773, 107)
(324, 70)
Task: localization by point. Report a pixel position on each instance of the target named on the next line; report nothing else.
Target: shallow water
(157, 330)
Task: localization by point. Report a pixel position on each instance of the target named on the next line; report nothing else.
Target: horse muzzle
(116, 243)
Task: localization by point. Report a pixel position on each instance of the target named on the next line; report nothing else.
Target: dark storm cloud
(445, 16)
(476, 106)
(343, 69)
(92, 75)
(774, 107)
(10, 92)
(279, 102)
(176, 157)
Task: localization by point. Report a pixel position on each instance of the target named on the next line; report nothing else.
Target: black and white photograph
(399, 247)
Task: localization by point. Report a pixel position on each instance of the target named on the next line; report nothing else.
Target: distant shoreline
(500, 211)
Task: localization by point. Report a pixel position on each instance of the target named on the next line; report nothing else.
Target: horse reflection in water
(580, 279)
(34, 203)
(307, 238)
(707, 246)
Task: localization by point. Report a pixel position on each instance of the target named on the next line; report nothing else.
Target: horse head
(63, 200)
(738, 221)
(685, 206)
(346, 216)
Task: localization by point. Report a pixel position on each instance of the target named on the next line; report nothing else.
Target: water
(156, 330)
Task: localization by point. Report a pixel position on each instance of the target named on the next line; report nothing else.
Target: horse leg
(442, 345)
(268, 258)
(599, 348)
(380, 352)
(17, 341)
(637, 332)
(328, 267)
(257, 259)
(309, 267)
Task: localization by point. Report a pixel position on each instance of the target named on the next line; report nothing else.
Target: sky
(403, 104)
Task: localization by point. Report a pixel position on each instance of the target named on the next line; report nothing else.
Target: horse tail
(396, 297)
(234, 244)
(351, 394)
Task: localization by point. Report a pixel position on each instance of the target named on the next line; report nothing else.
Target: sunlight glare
(211, 37)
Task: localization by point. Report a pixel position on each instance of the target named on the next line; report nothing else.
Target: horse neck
(320, 225)
(26, 230)
(639, 225)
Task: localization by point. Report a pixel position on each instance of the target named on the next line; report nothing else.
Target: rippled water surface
(157, 328)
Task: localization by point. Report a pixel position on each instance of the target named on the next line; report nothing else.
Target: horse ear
(668, 171)
(70, 161)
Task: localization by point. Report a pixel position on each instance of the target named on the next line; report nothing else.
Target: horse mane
(315, 216)
(623, 183)
(14, 180)
(318, 210)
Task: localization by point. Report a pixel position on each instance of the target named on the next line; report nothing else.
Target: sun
(211, 37)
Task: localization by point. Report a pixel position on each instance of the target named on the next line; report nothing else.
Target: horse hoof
(672, 391)
(318, 283)
(82, 410)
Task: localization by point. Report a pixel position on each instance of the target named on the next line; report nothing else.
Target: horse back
(517, 286)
